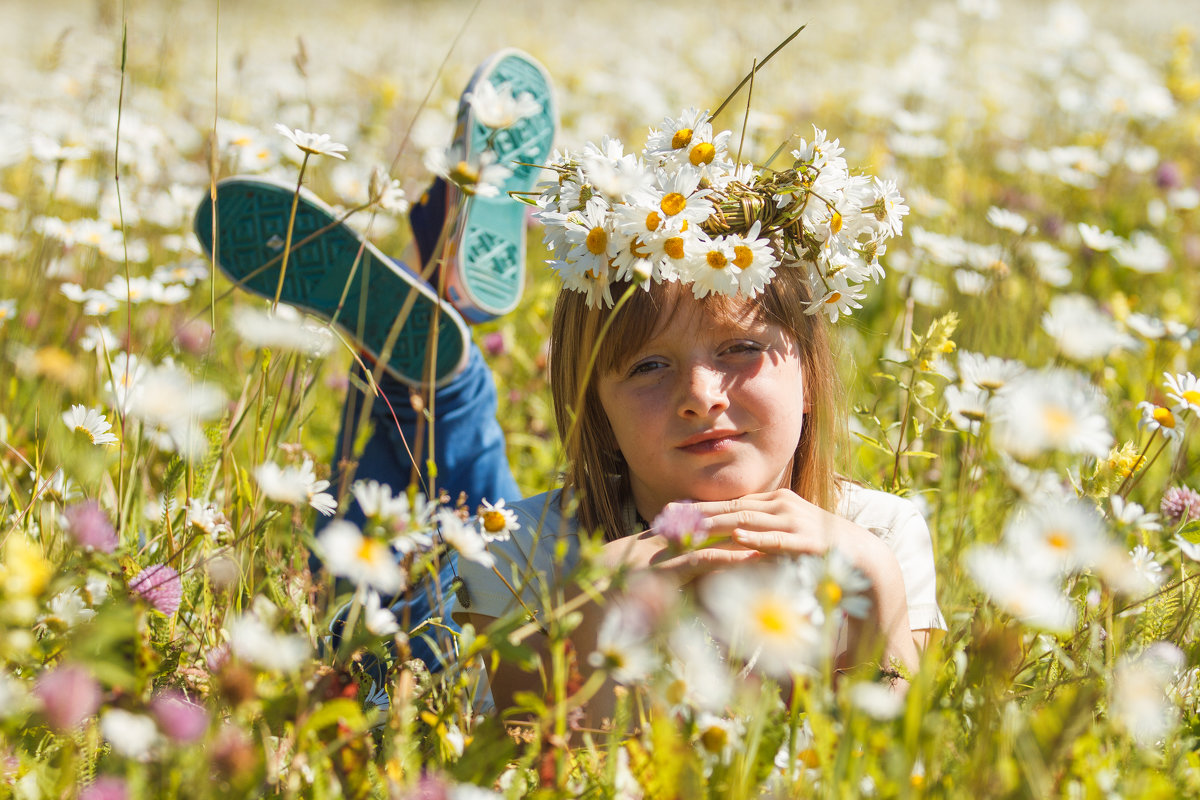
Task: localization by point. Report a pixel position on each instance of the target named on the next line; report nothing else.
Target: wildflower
(1029, 595)
(876, 700)
(317, 144)
(1142, 253)
(90, 527)
(767, 614)
(160, 586)
(1189, 549)
(207, 518)
(719, 736)
(1145, 565)
(968, 407)
(1061, 536)
(1081, 330)
(282, 329)
(363, 560)
(496, 523)
(68, 695)
(495, 106)
(24, 570)
(130, 734)
(1051, 409)
(700, 677)
(1159, 418)
(180, 719)
(252, 640)
(166, 398)
(1180, 504)
(1140, 703)
(1133, 515)
(1096, 240)
(1007, 220)
(481, 176)
(8, 309)
(463, 538)
(295, 485)
(838, 584)
(378, 620)
(106, 787)
(91, 423)
(623, 647)
(68, 608)
(989, 373)
(680, 523)
(1183, 389)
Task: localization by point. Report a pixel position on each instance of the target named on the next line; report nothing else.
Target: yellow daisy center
(835, 223)
(366, 551)
(638, 248)
(714, 738)
(717, 259)
(86, 432)
(702, 153)
(1057, 420)
(833, 298)
(653, 220)
(1164, 417)
(1192, 397)
(673, 203)
(494, 521)
(771, 617)
(742, 256)
(597, 241)
(830, 592)
(463, 175)
(682, 138)
(674, 247)
(1058, 540)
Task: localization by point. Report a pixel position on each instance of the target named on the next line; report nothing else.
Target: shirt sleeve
(520, 565)
(913, 546)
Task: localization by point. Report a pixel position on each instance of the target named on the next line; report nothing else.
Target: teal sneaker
(485, 270)
(252, 221)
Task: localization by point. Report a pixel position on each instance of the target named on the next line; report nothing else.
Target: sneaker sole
(252, 221)
(490, 247)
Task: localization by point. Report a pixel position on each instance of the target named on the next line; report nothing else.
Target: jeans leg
(469, 450)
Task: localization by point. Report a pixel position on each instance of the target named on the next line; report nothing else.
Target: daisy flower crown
(683, 210)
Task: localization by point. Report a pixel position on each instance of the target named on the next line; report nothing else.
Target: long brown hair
(596, 473)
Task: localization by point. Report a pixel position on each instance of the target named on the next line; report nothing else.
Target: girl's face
(706, 409)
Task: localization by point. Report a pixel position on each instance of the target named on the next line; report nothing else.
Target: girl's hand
(650, 551)
(783, 523)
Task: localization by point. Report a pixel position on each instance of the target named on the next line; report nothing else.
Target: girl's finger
(774, 542)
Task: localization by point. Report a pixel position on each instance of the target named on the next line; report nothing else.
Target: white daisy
(710, 267)
(481, 175)
(464, 538)
(282, 329)
(1081, 330)
(496, 523)
(495, 106)
(8, 308)
(295, 485)
(1097, 240)
(967, 406)
(1142, 253)
(251, 639)
(1051, 409)
(91, 423)
(1145, 565)
(623, 648)
(1159, 418)
(1007, 220)
(362, 560)
(768, 614)
(378, 620)
(1183, 389)
(317, 144)
(1058, 536)
(1029, 595)
(131, 735)
(207, 518)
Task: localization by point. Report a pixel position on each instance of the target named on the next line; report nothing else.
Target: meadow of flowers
(1025, 371)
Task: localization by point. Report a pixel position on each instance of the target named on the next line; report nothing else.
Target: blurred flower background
(1025, 373)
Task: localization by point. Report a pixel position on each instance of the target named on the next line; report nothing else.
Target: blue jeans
(470, 457)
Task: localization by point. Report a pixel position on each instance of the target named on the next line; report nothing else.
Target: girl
(730, 402)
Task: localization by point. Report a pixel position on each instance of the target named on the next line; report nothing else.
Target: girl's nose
(703, 392)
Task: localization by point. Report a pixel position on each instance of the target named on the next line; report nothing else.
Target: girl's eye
(644, 367)
(745, 347)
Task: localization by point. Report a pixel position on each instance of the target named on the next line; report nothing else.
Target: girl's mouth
(709, 442)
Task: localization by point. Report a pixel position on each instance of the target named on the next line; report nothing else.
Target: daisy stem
(287, 240)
